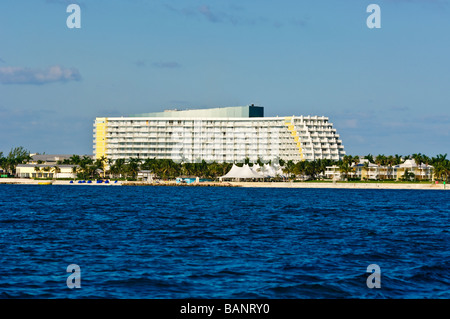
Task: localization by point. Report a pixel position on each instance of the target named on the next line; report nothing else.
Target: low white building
(46, 171)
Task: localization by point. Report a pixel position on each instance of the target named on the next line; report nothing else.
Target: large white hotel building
(228, 134)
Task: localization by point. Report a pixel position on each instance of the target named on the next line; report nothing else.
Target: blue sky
(386, 90)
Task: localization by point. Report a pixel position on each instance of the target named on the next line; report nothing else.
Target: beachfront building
(229, 134)
(365, 170)
(145, 175)
(419, 172)
(45, 171)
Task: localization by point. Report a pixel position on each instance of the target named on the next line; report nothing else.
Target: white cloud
(167, 64)
(25, 75)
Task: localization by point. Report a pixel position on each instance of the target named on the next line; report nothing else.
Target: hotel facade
(229, 134)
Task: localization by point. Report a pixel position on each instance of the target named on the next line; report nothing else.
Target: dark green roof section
(232, 111)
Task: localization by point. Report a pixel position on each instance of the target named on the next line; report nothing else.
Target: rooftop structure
(50, 158)
(227, 112)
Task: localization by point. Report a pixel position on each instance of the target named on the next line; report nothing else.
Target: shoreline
(330, 185)
(346, 185)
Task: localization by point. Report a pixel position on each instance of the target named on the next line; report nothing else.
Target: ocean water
(214, 242)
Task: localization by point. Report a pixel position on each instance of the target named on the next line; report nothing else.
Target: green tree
(75, 160)
(390, 161)
(75, 170)
(345, 169)
(397, 159)
(118, 168)
(369, 157)
(366, 169)
(100, 164)
(441, 167)
(289, 169)
(348, 159)
(17, 155)
(37, 169)
(133, 167)
(56, 170)
(2, 161)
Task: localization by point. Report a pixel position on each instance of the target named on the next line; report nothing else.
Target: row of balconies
(198, 131)
(195, 123)
(227, 147)
(197, 149)
(223, 157)
(227, 131)
(201, 155)
(219, 139)
(231, 125)
(209, 122)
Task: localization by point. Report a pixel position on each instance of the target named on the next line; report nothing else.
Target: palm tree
(380, 160)
(345, 168)
(369, 157)
(75, 170)
(46, 169)
(118, 168)
(100, 163)
(397, 159)
(366, 169)
(418, 158)
(133, 166)
(289, 168)
(390, 161)
(75, 159)
(37, 170)
(348, 159)
(110, 163)
(300, 168)
(56, 170)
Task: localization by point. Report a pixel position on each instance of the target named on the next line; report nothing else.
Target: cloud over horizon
(232, 14)
(170, 65)
(25, 75)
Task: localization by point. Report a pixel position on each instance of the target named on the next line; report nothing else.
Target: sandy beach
(346, 185)
(27, 181)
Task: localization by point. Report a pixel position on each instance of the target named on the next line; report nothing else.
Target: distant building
(45, 171)
(145, 175)
(229, 134)
(421, 171)
(51, 159)
(47, 158)
(372, 171)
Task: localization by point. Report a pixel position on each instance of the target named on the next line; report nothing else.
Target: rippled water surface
(214, 242)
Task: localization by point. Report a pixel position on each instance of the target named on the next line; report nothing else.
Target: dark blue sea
(217, 242)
